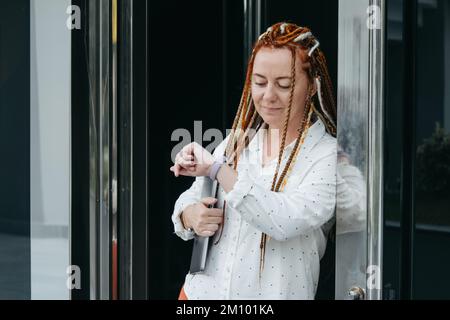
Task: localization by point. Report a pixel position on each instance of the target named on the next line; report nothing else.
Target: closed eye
(260, 84)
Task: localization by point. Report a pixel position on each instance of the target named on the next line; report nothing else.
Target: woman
(277, 184)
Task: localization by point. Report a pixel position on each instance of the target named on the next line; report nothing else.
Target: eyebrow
(278, 78)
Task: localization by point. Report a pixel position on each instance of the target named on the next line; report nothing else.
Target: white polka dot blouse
(294, 220)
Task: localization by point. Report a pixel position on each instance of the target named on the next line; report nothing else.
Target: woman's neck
(273, 138)
(275, 135)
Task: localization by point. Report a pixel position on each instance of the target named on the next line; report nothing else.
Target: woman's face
(271, 86)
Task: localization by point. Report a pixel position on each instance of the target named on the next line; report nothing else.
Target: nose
(270, 95)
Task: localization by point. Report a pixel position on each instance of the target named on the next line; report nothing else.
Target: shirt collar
(314, 134)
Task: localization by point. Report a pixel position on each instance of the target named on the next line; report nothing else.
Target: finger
(177, 160)
(209, 227)
(206, 233)
(180, 163)
(188, 158)
(176, 169)
(187, 153)
(213, 227)
(188, 150)
(214, 212)
(197, 151)
(186, 163)
(214, 219)
(208, 201)
(185, 172)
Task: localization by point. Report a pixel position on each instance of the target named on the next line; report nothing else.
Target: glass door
(359, 206)
(71, 72)
(35, 139)
(418, 149)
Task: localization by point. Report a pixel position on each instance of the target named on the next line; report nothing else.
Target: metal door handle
(356, 293)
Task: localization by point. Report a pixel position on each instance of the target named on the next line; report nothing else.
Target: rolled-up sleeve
(283, 215)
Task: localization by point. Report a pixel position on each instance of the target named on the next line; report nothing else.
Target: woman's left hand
(193, 160)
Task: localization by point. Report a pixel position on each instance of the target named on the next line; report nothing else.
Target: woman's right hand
(204, 220)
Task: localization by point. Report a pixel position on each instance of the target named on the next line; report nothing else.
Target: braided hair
(300, 41)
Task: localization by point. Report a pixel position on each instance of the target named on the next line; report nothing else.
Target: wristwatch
(215, 167)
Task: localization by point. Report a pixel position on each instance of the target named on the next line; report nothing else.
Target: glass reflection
(50, 63)
(432, 158)
(351, 207)
(351, 223)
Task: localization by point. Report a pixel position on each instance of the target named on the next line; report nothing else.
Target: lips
(270, 109)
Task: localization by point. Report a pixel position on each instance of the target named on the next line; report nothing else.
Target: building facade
(93, 95)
